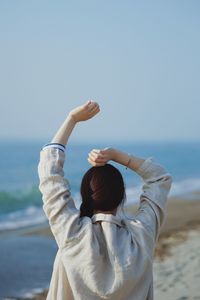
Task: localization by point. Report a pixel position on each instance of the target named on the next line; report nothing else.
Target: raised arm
(80, 113)
(101, 157)
(58, 205)
(156, 186)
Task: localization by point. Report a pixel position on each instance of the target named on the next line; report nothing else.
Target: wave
(185, 187)
(181, 188)
(17, 200)
(22, 209)
(23, 218)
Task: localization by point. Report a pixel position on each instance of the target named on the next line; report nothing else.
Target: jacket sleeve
(156, 186)
(58, 203)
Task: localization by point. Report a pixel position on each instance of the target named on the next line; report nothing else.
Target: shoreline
(178, 231)
(188, 219)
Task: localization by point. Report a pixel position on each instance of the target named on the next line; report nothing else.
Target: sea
(21, 200)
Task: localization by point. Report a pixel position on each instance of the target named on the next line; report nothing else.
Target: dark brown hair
(102, 188)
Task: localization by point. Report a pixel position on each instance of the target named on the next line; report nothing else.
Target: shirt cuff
(54, 145)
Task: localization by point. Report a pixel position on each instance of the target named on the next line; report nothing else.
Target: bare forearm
(123, 158)
(64, 131)
(81, 113)
(100, 157)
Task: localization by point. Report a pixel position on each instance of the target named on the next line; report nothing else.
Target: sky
(138, 59)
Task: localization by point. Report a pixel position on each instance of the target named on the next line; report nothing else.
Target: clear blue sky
(139, 59)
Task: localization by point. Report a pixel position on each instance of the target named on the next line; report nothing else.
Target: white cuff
(54, 145)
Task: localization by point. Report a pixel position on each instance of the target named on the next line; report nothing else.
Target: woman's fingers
(96, 157)
(94, 112)
(99, 157)
(91, 108)
(95, 164)
(94, 152)
(90, 105)
(95, 109)
(97, 153)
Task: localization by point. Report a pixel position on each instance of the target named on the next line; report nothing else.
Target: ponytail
(86, 209)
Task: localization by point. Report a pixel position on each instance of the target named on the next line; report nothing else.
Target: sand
(177, 254)
(177, 277)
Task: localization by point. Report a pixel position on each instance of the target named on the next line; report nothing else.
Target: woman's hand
(85, 111)
(99, 158)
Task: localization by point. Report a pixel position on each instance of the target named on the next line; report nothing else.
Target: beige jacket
(111, 259)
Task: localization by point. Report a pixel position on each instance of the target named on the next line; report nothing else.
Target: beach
(176, 261)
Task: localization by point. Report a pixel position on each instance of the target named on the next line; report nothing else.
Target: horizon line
(100, 141)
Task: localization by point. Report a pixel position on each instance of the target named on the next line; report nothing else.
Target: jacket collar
(107, 218)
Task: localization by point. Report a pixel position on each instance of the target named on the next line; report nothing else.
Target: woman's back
(107, 262)
(103, 257)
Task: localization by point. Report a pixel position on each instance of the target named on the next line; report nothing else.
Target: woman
(101, 255)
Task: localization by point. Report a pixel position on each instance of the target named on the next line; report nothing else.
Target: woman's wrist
(110, 153)
(72, 119)
(114, 153)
